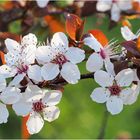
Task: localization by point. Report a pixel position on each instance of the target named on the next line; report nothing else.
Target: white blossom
(40, 104)
(58, 58)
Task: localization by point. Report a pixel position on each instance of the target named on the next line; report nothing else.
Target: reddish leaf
(131, 47)
(74, 27)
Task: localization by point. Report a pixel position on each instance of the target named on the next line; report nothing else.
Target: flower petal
(51, 113)
(127, 33)
(3, 113)
(75, 55)
(114, 105)
(44, 54)
(94, 62)
(10, 95)
(124, 77)
(12, 45)
(22, 108)
(115, 12)
(100, 95)
(42, 3)
(93, 43)
(50, 71)
(52, 98)
(34, 123)
(34, 73)
(2, 83)
(59, 43)
(125, 5)
(103, 78)
(70, 73)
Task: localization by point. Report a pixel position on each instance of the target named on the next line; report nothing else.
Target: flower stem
(103, 125)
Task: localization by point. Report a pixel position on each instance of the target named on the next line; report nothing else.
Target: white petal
(93, 43)
(125, 94)
(22, 108)
(3, 113)
(127, 33)
(29, 40)
(2, 83)
(7, 72)
(100, 95)
(94, 62)
(125, 5)
(103, 5)
(10, 95)
(44, 54)
(70, 73)
(115, 13)
(75, 55)
(52, 98)
(109, 66)
(42, 3)
(12, 45)
(34, 73)
(124, 77)
(114, 105)
(50, 71)
(33, 93)
(34, 123)
(135, 75)
(59, 43)
(103, 78)
(17, 79)
(51, 113)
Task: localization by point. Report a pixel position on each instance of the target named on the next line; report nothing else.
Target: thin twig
(103, 125)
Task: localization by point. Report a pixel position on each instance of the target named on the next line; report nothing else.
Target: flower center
(102, 54)
(114, 1)
(60, 59)
(22, 69)
(38, 106)
(115, 90)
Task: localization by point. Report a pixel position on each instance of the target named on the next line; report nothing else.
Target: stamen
(115, 90)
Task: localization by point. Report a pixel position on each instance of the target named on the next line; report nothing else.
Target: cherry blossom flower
(42, 3)
(19, 59)
(128, 34)
(40, 104)
(115, 7)
(57, 58)
(101, 56)
(9, 95)
(114, 90)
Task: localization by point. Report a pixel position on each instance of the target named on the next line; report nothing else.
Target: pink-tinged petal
(125, 77)
(17, 79)
(34, 123)
(34, 73)
(10, 95)
(109, 66)
(127, 33)
(29, 40)
(2, 83)
(70, 73)
(103, 5)
(51, 113)
(50, 71)
(75, 55)
(100, 95)
(115, 12)
(114, 105)
(94, 62)
(103, 78)
(44, 54)
(93, 43)
(22, 108)
(42, 3)
(4, 114)
(12, 45)
(59, 43)
(52, 98)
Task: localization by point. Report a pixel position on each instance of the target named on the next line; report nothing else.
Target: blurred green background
(80, 117)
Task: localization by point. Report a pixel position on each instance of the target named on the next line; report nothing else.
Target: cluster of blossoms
(29, 65)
